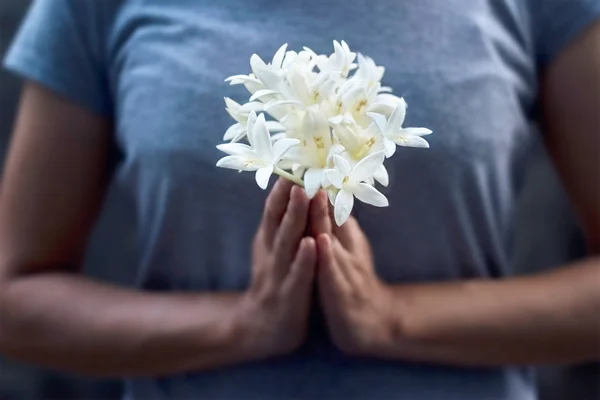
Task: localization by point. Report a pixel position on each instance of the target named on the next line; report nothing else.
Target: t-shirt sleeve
(559, 22)
(57, 46)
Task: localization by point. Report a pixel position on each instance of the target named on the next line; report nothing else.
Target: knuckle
(282, 243)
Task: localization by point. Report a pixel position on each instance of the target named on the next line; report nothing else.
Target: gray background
(546, 226)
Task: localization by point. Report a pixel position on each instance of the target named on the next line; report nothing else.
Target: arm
(52, 190)
(49, 315)
(547, 318)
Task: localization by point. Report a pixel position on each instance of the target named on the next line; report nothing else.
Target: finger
(298, 283)
(275, 207)
(331, 279)
(320, 222)
(291, 230)
(346, 232)
(349, 269)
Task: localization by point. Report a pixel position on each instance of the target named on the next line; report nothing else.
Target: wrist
(227, 338)
(388, 331)
(251, 328)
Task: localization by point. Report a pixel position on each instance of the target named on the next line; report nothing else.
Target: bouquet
(326, 129)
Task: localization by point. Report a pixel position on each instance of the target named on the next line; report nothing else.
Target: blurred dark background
(546, 226)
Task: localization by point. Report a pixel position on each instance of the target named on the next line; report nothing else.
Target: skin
(546, 318)
(51, 315)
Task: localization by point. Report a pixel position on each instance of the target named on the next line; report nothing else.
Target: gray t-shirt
(469, 70)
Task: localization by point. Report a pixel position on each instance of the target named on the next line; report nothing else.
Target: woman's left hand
(356, 303)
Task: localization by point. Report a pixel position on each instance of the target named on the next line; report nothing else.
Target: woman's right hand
(274, 311)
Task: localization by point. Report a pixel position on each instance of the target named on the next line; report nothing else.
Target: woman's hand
(355, 301)
(274, 311)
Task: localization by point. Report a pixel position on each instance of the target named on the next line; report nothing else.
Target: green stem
(287, 175)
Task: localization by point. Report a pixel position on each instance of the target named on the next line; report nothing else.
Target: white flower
(394, 134)
(315, 152)
(368, 71)
(332, 129)
(261, 156)
(350, 182)
(341, 61)
(251, 83)
(385, 104)
(240, 113)
(358, 142)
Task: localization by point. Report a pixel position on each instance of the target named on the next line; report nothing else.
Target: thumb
(320, 221)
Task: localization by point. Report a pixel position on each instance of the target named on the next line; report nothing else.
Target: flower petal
(368, 194)
(278, 57)
(274, 126)
(232, 105)
(335, 177)
(416, 131)
(263, 175)
(234, 110)
(390, 147)
(282, 146)
(243, 79)
(297, 154)
(335, 149)
(278, 136)
(385, 103)
(252, 106)
(344, 202)
(236, 162)
(250, 127)
(235, 131)
(381, 175)
(289, 58)
(398, 116)
(345, 118)
(269, 78)
(276, 103)
(262, 93)
(379, 120)
(366, 167)
(412, 141)
(332, 194)
(261, 139)
(312, 181)
(236, 149)
(298, 83)
(257, 65)
(342, 165)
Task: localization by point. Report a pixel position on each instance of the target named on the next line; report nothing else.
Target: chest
(464, 69)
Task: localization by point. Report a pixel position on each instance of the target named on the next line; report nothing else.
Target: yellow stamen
(361, 105)
(364, 149)
(319, 142)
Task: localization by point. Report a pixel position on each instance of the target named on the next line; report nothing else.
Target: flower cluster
(327, 129)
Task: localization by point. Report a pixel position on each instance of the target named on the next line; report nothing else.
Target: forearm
(69, 322)
(549, 318)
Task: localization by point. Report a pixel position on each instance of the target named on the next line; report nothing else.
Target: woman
(225, 307)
